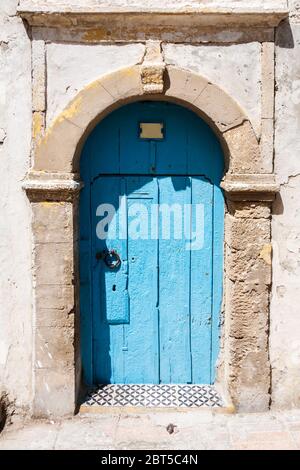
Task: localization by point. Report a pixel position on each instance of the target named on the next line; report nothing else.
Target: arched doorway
(53, 185)
(151, 247)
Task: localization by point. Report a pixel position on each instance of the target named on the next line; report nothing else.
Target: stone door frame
(53, 186)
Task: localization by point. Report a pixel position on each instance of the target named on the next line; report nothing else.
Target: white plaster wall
(236, 68)
(15, 242)
(285, 302)
(70, 67)
(158, 4)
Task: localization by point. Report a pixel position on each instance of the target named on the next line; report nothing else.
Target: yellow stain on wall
(266, 253)
(75, 107)
(98, 34)
(70, 111)
(37, 125)
(48, 203)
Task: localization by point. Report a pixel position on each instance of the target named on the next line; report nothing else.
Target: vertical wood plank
(174, 303)
(108, 304)
(217, 293)
(201, 280)
(86, 281)
(141, 364)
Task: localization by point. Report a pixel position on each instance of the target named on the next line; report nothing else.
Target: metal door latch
(110, 257)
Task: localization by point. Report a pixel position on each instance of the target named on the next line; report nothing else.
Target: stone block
(249, 210)
(221, 109)
(88, 105)
(55, 152)
(250, 265)
(243, 158)
(38, 126)
(54, 393)
(267, 80)
(54, 348)
(38, 75)
(240, 233)
(188, 89)
(124, 84)
(53, 263)
(55, 317)
(266, 144)
(52, 222)
(56, 297)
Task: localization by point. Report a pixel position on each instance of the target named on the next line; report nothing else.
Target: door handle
(110, 257)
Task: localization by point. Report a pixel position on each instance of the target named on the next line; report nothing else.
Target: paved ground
(194, 430)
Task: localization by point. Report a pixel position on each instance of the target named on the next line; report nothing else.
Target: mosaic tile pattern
(154, 396)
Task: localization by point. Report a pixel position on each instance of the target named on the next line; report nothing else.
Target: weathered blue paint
(155, 319)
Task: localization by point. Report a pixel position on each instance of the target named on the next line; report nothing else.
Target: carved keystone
(153, 67)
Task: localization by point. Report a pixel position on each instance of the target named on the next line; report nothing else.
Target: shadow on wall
(3, 410)
(284, 36)
(277, 208)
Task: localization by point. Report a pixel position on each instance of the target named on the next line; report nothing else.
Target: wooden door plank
(201, 279)
(174, 287)
(142, 332)
(110, 296)
(217, 292)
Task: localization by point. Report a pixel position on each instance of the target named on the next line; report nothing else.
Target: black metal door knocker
(110, 258)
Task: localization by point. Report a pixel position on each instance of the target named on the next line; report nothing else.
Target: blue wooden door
(151, 247)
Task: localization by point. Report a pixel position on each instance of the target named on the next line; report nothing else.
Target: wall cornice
(89, 14)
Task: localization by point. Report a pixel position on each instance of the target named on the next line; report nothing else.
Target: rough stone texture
(223, 111)
(153, 68)
(267, 83)
(267, 144)
(248, 278)
(188, 89)
(249, 187)
(38, 75)
(236, 68)
(93, 102)
(15, 242)
(285, 319)
(68, 73)
(245, 159)
(55, 327)
(38, 127)
(267, 105)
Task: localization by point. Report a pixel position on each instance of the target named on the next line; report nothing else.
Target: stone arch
(52, 186)
(112, 90)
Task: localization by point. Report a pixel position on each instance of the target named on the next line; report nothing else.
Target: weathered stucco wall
(285, 303)
(67, 73)
(15, 241)
(234, 67)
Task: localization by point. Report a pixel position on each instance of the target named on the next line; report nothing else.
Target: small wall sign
(151, 130)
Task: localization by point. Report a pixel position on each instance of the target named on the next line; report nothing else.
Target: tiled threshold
(139, 396)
